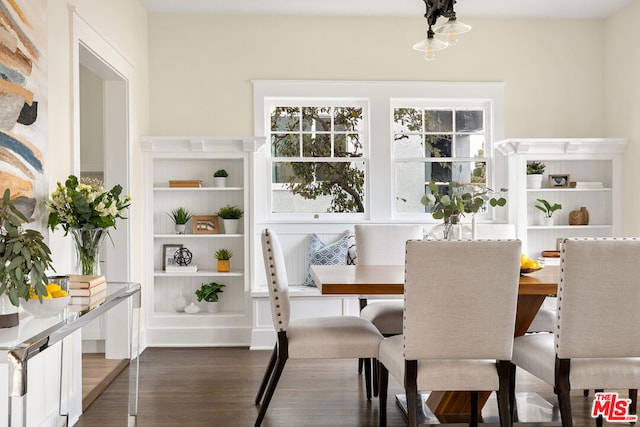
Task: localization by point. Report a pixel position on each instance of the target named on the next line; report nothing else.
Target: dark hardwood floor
(217, 386)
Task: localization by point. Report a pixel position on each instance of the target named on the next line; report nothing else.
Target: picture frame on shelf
(205, 224)
(559, 180)
(168, 250)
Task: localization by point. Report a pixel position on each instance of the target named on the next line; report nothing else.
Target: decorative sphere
(183, 256)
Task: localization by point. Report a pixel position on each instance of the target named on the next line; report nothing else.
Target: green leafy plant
(220, 173)
(180, 215)
(535, 167)
(24, 255)
(460, 199)
(230, 212)
(547, 208)
(85, 204)
(223, 254)
(209, 291)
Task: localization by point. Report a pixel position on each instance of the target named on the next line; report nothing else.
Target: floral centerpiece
(458, 200)
(87, 210)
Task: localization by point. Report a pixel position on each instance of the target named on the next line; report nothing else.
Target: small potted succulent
(535, 169)
(548, 209)
(223, 256)
(180, 217)
(220, 178)
(209, 292)
(230, 215)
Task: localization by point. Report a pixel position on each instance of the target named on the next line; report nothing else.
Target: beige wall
(622, 101)
(123, 24)
(201, 66)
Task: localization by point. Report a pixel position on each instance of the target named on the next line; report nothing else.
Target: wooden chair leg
(562, 389)
(273, 383)
(473, 413)
(633, 395)
(506, 376)
(411, 390)
(267, 374)
(367, 377)
(383, 382)
(513, 407)
(360, 365)
(375, 377)
(599, 419)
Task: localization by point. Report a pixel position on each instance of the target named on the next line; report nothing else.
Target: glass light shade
(429, 45)
(452, 26)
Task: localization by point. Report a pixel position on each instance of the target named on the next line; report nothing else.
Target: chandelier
(449, 29)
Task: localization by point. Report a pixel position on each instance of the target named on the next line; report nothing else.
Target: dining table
(381, 280)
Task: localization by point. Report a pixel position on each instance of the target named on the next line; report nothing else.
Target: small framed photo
(168, 251)
(559, 180)
(205, 224)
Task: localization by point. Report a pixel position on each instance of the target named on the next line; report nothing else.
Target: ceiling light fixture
(434, 10)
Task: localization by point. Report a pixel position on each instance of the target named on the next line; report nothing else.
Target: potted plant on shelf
(180, 216)
(223, 256)
(220, 178)
(24, 259)
(209, 292)
(230, 215)
(548, 209)
(535, 169)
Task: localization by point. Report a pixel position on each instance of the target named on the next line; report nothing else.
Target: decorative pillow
(352, 254)
(323, 254)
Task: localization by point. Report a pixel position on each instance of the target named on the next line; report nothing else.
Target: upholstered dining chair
(455, 336)
(383, 244)
(338, 337)
(596, 340)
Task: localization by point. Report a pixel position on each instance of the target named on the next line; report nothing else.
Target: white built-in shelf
(567, 190)
(236, 273)
(181, 189)
(195, 236)
(568, 227)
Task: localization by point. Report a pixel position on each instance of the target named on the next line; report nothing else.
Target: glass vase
(88, 242)
(451, 230)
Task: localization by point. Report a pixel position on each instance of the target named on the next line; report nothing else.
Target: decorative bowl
(529, 270)
(48, 308)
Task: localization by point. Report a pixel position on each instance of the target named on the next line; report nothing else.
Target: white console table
(35, 335)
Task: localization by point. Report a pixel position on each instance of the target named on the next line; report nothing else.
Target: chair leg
(411, 390)
(383, 380)
(375, 365)
(267, 374)
(473, 414)
(513, 407)
(367, 377)
(506, 381)
(599, 418)
(360, 365)
(633, 395)
(562, 389)
(273, 383)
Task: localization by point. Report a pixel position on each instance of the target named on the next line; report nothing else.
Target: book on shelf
(88, 301)
(185, 183)
(181, 268)
(93, 290)
(589, 184)
(80, 281)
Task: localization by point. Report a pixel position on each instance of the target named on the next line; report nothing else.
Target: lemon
(59, 293)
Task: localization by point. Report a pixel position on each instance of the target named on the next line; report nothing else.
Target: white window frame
(380, 96)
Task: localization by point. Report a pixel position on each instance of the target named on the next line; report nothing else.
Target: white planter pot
(231, 226)
(213, 307)
(534, 181)
(180, 228)
(546, 221)
(219, 181)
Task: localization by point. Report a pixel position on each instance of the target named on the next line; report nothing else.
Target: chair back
(384, 244)
(277, 280)
(460, 299)
(598, 297)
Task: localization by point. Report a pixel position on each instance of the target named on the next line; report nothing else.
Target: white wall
(621, 57)
(201, 66)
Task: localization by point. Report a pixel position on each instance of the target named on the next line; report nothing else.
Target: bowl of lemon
(52, 304)
(528, 265)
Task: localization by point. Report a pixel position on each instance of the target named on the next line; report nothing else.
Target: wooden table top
(389, 280)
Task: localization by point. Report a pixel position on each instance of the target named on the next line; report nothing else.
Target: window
(317, 157)
(440, 144)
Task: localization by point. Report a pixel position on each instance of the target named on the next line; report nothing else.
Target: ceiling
(559, 9)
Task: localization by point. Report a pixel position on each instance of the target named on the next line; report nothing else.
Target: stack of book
(86, 291)
(185, 183)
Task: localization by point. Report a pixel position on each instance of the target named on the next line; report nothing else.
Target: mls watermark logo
(612, 408)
